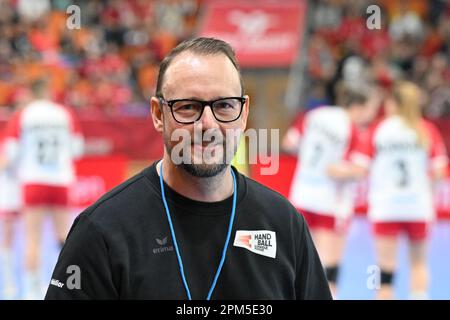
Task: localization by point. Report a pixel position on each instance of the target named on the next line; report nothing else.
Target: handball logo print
(374, 20)
(74, 20)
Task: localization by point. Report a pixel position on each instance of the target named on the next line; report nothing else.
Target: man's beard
(204, 170)
(201, 170)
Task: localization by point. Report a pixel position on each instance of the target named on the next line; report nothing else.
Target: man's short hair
(202, 46)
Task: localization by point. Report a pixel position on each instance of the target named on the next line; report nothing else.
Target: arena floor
(358, 257)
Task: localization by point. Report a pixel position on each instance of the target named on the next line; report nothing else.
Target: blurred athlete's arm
(10, 145)
(438, 154)
(3, 162)
(347, 171)
(355, 165)
(291, 140)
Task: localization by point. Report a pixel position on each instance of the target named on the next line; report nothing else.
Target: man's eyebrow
(200, 99)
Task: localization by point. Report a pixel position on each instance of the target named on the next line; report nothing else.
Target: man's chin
(204, 170)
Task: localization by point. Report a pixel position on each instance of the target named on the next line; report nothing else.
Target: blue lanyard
(177, 250)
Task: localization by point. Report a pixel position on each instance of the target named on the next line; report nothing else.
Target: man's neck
(209, 189)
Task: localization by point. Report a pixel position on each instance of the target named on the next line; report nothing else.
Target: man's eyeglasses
(188, 111)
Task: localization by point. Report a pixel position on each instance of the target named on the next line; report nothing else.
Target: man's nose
(208, 120)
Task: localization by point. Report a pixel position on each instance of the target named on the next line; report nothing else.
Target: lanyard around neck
(177, 250)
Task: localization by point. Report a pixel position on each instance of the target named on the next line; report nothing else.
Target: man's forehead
(193, 69)
(186, 60)
(192, 61)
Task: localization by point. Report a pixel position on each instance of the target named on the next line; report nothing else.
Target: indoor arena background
(102, 58)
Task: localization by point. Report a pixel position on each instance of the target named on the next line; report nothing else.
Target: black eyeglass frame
(170, 103)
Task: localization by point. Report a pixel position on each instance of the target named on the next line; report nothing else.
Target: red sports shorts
(45, 195)
(322, 221)
(416, 231)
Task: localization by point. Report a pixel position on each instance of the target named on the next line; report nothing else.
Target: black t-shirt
(121, 247)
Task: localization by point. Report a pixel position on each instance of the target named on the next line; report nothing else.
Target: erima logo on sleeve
(261, 242)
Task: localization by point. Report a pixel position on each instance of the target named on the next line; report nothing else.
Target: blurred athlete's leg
(59, 210)
(386, 250)
(33, 220)
(419, 269)
(60, 217)
(330, 246)
(7, 257)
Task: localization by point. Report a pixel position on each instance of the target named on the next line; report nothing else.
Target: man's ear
(245, 110)
(157, 114)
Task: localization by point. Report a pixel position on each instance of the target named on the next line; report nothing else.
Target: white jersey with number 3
(327, 135)
(399, 183)
(42, 140)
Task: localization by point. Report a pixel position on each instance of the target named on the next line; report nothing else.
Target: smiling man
(190, 226)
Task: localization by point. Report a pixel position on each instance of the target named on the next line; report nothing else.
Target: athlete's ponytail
(408, 98)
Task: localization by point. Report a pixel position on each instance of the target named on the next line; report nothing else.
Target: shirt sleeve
(83, 270)
(10, 148)
(363, 150)
(353, 143)
(299, 123)
(438, 153)
(13, 126)
(295, 131)
(311, 282)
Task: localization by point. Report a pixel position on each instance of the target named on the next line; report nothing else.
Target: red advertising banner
(96, 176)
(135, 138)
(263, 33)
(281, 182)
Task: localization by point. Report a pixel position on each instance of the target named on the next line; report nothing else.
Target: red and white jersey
(400, 186)
(42, 140)
(327, 136)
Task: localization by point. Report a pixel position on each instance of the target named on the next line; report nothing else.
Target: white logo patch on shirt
(261, 242)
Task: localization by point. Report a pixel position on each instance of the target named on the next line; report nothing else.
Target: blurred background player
(404, 154)
(326, 136)
(9, 210)
(43, 139)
